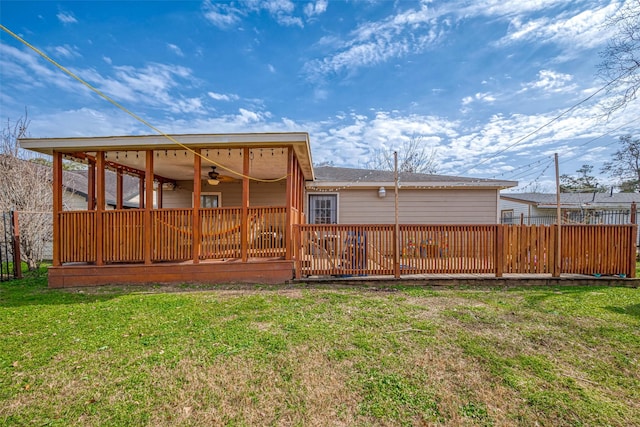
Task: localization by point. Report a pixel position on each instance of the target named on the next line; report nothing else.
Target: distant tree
(584, 182)
(625, 164)
(25, 187)
(620, 64)
(413, 156)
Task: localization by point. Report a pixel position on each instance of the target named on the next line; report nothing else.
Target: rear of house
(361, 196)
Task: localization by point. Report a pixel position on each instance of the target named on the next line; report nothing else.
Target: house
(223, 207)
(584, 208)
(362, 196)
(76, 186)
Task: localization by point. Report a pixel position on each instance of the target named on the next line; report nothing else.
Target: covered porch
(209, 207)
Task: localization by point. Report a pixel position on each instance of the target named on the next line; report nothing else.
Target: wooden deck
(255, 271)
(471, 280)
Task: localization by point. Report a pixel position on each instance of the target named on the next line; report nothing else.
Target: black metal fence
(9, 250)
(575, 217)
(586, 216)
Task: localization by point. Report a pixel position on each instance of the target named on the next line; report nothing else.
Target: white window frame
(208, 193)
(308, 202)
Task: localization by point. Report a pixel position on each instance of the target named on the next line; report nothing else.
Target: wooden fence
(347, 250)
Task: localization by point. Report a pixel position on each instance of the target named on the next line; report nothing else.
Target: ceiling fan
(215, 178)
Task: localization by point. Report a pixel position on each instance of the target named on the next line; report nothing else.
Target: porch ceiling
(268, 154)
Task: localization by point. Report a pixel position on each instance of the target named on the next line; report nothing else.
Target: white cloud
(107, 60)
(227, 15)
(175, 49)
(222, 96)
(315, 8)
(406, 33)
(66, 17)
(479, 96)
(551, 82)
(583, 30)
(66, 51)
(221, 15)
(271, 68)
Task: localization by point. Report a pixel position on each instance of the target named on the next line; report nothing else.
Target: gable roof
(574, 200)
(329, 176)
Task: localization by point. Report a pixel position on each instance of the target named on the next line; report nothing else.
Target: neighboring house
(361, 196)
(76, 184)
(586, 208)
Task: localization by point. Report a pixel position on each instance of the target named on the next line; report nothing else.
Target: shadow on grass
(630, 310)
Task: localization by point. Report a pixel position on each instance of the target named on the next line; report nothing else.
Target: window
(507, 216)
(323, 209)
(210, 200)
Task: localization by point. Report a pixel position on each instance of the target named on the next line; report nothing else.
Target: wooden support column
(148, 205)
(91, 186)
(159, 196)
(244, 223)
(141, 191)
(100, 207)
(57, 206)
(195, 220)
(289, 203)
(119, 190)
(634, 240)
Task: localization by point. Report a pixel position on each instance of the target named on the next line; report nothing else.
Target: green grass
(266, 355)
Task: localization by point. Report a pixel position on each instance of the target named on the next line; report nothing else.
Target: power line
(127, 111)
(573, 107)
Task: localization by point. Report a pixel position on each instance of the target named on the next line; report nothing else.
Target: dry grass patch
(305, 356)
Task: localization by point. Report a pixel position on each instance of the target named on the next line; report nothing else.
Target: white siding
(418, 207)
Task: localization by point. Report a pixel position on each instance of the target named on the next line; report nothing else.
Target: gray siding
(260, 194)
(419, 207)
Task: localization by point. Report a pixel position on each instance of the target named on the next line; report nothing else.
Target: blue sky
(470, 78)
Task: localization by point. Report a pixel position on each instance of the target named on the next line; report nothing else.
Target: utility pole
(397, 223)
(558, 260)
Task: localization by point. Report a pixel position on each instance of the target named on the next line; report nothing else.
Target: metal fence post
(17, 266)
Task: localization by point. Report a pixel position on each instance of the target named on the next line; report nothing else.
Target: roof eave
(414, 185)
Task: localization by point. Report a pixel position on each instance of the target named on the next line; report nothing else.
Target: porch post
(159, 195)
(148, 205)
(288, 212)
(100, 207)
(91, 186)
(57, 205)
(244, 226)
(119, 191)
(141, 191)
(195, 220)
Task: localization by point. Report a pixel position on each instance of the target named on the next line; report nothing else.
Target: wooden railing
(346, 250)
(267, 232)
(172, 234)
(343, 249)
(221, 230)
(123, 234)
(124, 230)
(78, 241)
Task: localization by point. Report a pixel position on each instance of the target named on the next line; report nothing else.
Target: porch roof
(179, 167)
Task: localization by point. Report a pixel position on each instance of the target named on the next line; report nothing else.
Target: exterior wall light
(382, 193)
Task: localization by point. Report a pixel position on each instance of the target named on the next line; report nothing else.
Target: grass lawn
(318, 356)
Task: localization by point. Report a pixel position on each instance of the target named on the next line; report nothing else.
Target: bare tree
(413, 156)
(625, 165)
(25, 187)
(620, 66)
